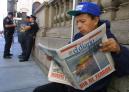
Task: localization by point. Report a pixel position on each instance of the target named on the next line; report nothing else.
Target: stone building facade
(12, 6)
(55, 29)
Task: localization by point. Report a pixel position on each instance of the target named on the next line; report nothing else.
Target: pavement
(18, 76)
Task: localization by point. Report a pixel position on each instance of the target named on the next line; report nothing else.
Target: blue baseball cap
(84, 8)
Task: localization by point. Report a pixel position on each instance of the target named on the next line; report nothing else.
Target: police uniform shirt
(34, 28)
(8, 21)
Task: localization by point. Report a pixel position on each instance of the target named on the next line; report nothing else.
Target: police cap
(32, 16)
(11, 13)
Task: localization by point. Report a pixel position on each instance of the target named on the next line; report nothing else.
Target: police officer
(9, 28)
(31, 31)
(22, 36)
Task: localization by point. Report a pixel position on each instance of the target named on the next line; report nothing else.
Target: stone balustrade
(55, 29)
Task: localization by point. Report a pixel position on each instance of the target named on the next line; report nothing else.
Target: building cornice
(44, 4)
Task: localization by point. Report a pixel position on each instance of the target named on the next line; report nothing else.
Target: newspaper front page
(56, 74)
(81, 63)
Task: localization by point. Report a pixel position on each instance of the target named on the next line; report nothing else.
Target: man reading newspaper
(87, 19)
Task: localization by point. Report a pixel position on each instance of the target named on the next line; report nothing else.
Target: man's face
(31, 19)
(27, 20)
(85, 23)
(10, 16)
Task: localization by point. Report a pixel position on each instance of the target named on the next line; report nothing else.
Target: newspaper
(80, 63)
(56, 74)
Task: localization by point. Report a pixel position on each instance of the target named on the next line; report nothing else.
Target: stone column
(109, 9)
(55, 15)
(63, 8)
(51, 15)
(46, 17)
(123, 12)
(59, 14)
(70, 4)
(68, 7)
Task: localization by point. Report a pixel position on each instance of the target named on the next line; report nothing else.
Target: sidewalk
(18, 76)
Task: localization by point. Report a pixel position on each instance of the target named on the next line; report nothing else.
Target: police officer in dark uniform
(9, 28)
(22, 36)
(31, 31)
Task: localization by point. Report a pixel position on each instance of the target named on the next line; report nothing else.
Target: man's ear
(96, 20)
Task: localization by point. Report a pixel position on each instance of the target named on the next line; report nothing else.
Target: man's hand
(49, 58)
(110, 45)
(26, 28)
